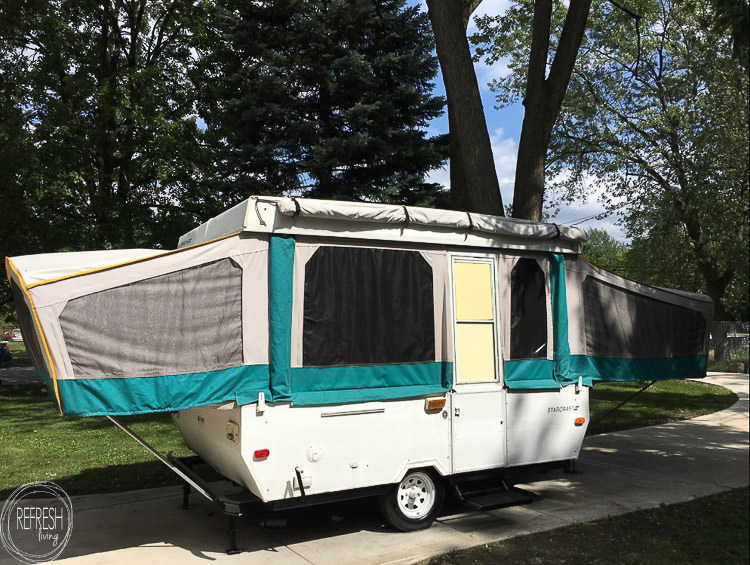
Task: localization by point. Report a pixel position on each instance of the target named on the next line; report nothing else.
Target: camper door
(477, 398)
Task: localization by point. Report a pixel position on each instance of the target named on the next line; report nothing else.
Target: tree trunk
(543, 101)
(528, 193)
(474, 185)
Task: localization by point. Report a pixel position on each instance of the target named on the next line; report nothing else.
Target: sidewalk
(18, 376)
(618, 473)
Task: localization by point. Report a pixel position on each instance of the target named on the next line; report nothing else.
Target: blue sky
(504, 126)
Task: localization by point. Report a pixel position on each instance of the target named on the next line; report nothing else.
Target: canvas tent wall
(313, 302)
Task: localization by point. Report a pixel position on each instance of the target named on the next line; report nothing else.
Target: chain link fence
(730, 345)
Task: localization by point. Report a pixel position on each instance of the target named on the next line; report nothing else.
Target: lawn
(82, 455)
(708, 530)
(663, 402)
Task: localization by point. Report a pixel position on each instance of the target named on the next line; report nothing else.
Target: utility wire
(598, 216)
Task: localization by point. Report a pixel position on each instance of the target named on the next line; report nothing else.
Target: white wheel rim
(416, 495)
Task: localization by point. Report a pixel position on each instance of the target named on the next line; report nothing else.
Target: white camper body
(311, 349)
(482, 426)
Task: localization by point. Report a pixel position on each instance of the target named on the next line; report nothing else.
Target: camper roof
(388, 222)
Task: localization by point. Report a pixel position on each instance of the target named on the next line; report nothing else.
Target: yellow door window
(475, 321)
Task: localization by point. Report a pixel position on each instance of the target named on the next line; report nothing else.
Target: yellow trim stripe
(131, 262)
(39, 328)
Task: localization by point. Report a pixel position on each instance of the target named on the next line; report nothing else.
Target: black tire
(414, 503)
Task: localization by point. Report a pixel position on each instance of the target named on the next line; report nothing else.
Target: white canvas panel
(68, 289)
(692, 300)
(254, 306)
(441, 291)
(47, 266)
(49, 319)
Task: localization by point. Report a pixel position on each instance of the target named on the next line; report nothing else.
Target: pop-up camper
(314, 350)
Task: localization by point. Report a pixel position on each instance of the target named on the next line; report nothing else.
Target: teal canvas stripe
(322, 397)
(530, 373)
(538, 373)
(138, 395)
(280, 287)
(561, 345)
(621, 369)
(369, 377)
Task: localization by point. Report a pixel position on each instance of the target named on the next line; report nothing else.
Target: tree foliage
(324, 98)
(604, 250)
(98, 103)
(656, 115)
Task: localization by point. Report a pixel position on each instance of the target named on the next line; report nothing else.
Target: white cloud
(504, 151)
(440, 176)
(589, 212)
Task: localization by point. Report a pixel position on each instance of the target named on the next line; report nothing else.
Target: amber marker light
(580, 421)
(434, 403)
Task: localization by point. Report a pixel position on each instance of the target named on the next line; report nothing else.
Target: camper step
(500, 499)
(497, 497)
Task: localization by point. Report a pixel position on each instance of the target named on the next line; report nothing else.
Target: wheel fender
(433, 465)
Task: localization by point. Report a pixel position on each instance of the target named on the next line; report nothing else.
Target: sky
(504, 126)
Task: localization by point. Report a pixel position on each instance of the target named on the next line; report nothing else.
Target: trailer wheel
(414, 503)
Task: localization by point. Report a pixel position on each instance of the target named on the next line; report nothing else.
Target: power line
(597, 216)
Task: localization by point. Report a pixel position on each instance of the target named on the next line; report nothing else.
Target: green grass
(708, 530)
(663, 402)
(741, 355)
(82, 455)
(20, 357)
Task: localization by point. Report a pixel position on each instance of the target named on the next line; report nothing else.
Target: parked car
(15, 335)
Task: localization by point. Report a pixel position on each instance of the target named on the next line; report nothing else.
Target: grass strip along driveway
(707, 531)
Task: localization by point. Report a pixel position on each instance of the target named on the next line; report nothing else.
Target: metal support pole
(161, 458)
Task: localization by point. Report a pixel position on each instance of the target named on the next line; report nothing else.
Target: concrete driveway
(618, 473)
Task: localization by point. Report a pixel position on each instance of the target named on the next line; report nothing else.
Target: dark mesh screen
(528, 310)
(621, 323)
(367, 306)
(188, 321)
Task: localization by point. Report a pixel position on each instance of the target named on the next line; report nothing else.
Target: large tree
(549, 62)
(99, 142)
(325, 98)
(103, 108)
(551, 35)
(473, 178)
(657, 116)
